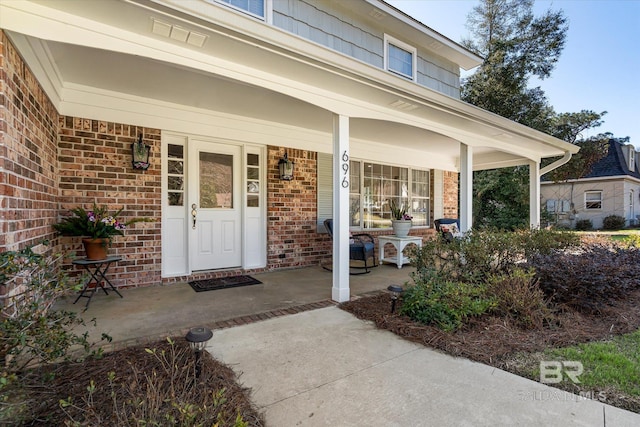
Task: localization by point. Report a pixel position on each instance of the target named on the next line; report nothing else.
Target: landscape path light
(197, 339)
(396, 291)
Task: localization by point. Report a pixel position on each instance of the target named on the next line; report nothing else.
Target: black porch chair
(447, 236)
(361, 249)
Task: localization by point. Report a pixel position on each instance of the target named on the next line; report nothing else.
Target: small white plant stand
(399, 243)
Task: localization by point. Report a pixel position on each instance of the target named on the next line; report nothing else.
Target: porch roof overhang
(102, 60)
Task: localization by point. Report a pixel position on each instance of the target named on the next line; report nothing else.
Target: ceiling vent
(177, 33)
(402, 105)
(376, 14)
(435, 45)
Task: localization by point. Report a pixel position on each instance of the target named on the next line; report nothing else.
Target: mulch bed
(497, 342)
(139, 376)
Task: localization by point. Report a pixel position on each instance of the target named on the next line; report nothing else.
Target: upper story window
(252, 7)
(400, 58)
(593, 200)
(632, 159)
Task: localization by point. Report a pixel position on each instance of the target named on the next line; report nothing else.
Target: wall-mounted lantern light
(140, 153)
(286, 168)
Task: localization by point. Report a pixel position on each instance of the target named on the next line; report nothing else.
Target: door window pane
(175, 175)
(175, 199)
(176, 183)
(176, 151)
(253, 160)
(253, 181)
(216, 181)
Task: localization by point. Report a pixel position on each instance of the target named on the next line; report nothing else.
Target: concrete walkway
(327, 368)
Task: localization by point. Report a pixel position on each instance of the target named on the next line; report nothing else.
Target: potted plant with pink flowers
(96, 226)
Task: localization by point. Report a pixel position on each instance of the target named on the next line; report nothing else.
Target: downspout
(535, 191)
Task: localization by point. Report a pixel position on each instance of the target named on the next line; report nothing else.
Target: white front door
(215, 205)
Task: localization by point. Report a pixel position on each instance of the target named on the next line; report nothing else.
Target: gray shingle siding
(356, 37)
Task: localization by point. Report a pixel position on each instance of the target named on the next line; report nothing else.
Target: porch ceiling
(110, 48)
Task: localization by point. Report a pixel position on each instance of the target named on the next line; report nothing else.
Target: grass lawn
(617, 235)
(609, 367)
(614, 363)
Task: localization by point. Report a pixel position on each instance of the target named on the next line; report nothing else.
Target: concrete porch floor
(149, 313)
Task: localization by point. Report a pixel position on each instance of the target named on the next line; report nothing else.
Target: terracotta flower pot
(95, 249)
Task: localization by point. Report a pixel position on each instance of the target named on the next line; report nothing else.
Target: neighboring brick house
(612, 187)
(228, 85)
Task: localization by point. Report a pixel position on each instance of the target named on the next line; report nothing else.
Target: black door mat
(223, 283)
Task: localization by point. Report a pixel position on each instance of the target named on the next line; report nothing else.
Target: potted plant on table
(400, 219)
(96, 226)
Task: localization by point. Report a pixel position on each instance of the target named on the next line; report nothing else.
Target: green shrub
(584, 225)
(613, 222)
(519, 297)
(445, 304)
(448, 275)
(543, 241)
(482, 253)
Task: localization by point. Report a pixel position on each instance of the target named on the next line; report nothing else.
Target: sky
(599, 68)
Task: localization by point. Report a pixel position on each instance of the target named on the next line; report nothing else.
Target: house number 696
(345, 170)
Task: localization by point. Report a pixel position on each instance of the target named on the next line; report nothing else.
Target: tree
(516, 46)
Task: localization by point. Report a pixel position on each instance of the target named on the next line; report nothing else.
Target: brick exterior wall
(292, 211)
(95, 166)
(450, 202)
(28, 164)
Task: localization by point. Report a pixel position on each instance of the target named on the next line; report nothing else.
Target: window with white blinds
(253, 7)
(400, 58)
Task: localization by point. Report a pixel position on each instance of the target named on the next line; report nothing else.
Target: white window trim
(585, 200)
(414, 57)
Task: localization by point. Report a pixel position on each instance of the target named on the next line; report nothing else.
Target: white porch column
(340, 289)
(466, 187)
(534, 194)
